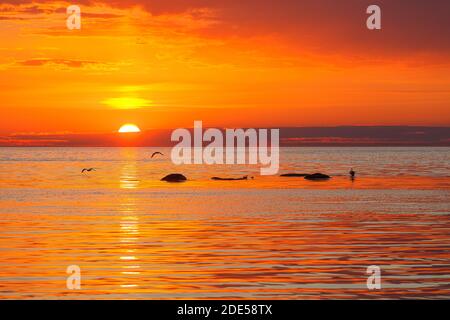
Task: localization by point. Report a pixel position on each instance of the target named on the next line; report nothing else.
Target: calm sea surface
(136, 237)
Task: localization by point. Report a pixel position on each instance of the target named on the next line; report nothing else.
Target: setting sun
(126, 128)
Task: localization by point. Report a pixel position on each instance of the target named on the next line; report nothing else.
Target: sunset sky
(165, 63)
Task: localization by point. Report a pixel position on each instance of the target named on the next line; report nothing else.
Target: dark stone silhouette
(230, 179)
(317, 176)
(174, 177)
(294, 175)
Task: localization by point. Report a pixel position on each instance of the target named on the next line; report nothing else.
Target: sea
(133, 236)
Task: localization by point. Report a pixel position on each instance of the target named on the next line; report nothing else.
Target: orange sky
(167, 63)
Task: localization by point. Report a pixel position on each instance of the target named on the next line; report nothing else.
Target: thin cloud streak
(289, 137)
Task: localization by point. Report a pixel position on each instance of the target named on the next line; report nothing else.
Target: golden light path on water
(129, 222)
(134, 236)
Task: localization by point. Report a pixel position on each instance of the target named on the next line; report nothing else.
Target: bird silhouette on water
(352, 174)
(88, 170)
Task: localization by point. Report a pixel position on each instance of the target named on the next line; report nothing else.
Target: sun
(129, 127)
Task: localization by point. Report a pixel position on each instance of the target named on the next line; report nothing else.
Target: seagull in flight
(88, 170)
(155, 153)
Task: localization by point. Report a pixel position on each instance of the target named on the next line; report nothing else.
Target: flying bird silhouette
(155, 153)
(88, 170)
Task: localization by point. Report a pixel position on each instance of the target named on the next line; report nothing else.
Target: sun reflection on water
(129, 232)
(129, 172)
(128, 177)
(129, 237)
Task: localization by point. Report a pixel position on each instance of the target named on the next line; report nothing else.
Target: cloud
(305, 136)
(410, 28)
(408, 25)
(95, 66)
(127, 103)
(365, 136)
(11, 18)
(22, 10)
(64, 62)
(102, 15)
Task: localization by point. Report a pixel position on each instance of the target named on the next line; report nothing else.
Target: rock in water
(317, 176)
(229, 179)
(294, 175)
(174, 177)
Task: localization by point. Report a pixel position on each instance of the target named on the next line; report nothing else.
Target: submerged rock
(317, 176)
(294, 175)
(174, 177)
(229, 179)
